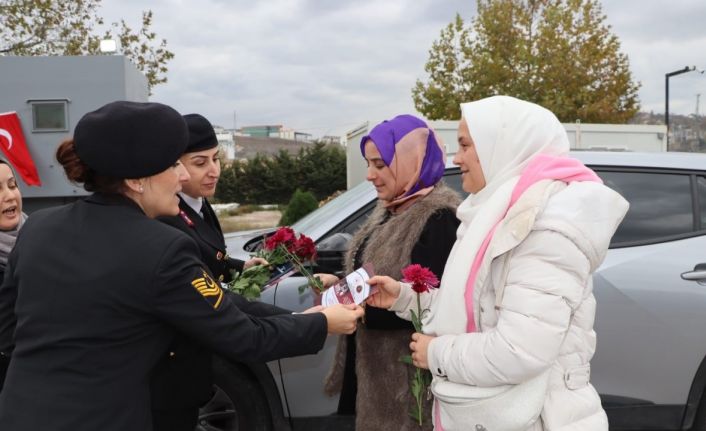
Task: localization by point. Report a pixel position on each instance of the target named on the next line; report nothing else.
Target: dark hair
(79, 173)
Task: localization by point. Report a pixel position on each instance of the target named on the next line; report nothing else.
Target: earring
(141, 189)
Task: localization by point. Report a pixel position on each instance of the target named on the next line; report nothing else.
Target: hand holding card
(352, 289)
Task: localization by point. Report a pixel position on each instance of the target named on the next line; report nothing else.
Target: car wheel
(238, 402)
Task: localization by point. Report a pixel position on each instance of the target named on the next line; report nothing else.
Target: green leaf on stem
(249, 282)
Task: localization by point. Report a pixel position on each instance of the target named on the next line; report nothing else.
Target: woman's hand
(419, 347)
(388, 289)
(343, 319)
(314, 309)
(327, 279)
(255, 261)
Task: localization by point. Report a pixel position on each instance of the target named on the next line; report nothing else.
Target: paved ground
(253, 220)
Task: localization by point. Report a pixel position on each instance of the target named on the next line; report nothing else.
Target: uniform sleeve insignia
(209, 289)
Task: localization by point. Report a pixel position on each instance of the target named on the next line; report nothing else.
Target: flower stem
(419, 396)
(302, 268)
(419, 312)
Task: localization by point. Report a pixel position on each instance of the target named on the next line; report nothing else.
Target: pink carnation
(422, 278)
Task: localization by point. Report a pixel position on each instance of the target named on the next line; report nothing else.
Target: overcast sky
(325, 66)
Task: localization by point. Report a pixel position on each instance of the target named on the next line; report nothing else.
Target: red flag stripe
(13, 145)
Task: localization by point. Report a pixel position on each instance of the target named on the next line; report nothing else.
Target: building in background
(273, 131)
(333, 140)
(582, 136)
(617, 137)
(226, 143)
(50, 95)
(267, 131)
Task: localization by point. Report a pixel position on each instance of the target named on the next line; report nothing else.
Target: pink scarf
(541, 167)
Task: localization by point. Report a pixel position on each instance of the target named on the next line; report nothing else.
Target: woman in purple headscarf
(414, 222)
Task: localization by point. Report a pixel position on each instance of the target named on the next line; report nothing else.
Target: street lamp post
(666, 94)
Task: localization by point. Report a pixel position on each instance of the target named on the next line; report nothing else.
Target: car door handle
(694, 275)
(698, 274)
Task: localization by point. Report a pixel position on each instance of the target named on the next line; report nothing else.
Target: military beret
(130, 139)
(201, 133)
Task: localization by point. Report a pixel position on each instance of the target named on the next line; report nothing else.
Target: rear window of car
(661, 206)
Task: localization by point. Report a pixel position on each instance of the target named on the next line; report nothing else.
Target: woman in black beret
(95, 291)
(182, 381)
(201, 159)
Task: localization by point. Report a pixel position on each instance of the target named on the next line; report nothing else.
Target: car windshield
(308, 224)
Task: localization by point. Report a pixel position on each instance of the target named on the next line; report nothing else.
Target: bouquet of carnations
(286, 253)
(422, 280)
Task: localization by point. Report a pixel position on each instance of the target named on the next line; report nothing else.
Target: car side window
(453, 180)
(660, 205)
(357, 221)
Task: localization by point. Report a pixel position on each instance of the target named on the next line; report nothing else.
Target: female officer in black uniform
(182, 380)
(201, 159)
(95, 290)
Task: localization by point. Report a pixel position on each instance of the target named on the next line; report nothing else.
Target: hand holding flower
(420, 348)
(327, 280)
(279, 249)
(255, 261)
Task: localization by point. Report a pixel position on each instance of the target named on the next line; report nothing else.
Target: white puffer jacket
(552, 240)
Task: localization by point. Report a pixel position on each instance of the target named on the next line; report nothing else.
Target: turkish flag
(12, 142)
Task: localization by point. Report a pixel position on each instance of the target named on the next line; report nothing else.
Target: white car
(649, 367)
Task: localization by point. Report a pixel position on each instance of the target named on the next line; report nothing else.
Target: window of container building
(49, 116)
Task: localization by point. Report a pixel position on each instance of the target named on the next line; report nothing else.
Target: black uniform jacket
(94, 294)
(208, 235)
(182, 378)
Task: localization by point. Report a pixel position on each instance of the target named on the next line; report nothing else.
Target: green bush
(318, 168)
(301, 204)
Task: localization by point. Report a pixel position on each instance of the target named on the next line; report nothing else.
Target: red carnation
(284, 235)
(422, 278)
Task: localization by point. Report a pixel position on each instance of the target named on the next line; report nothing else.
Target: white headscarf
(507, 134)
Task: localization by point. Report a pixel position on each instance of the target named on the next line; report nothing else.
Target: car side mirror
(331, 252)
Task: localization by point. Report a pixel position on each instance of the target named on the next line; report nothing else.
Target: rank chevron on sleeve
(209, 289)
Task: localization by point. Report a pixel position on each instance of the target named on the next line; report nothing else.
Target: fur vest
(390, 246)
(383, 398)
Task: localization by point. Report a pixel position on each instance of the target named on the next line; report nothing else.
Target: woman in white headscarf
(516, 300)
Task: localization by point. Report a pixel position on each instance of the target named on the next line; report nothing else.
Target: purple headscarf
(420, 156)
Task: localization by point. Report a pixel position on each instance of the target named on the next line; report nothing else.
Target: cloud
(661, 37)
(325, 66)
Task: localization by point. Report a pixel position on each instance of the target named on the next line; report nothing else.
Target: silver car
(649, 367)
